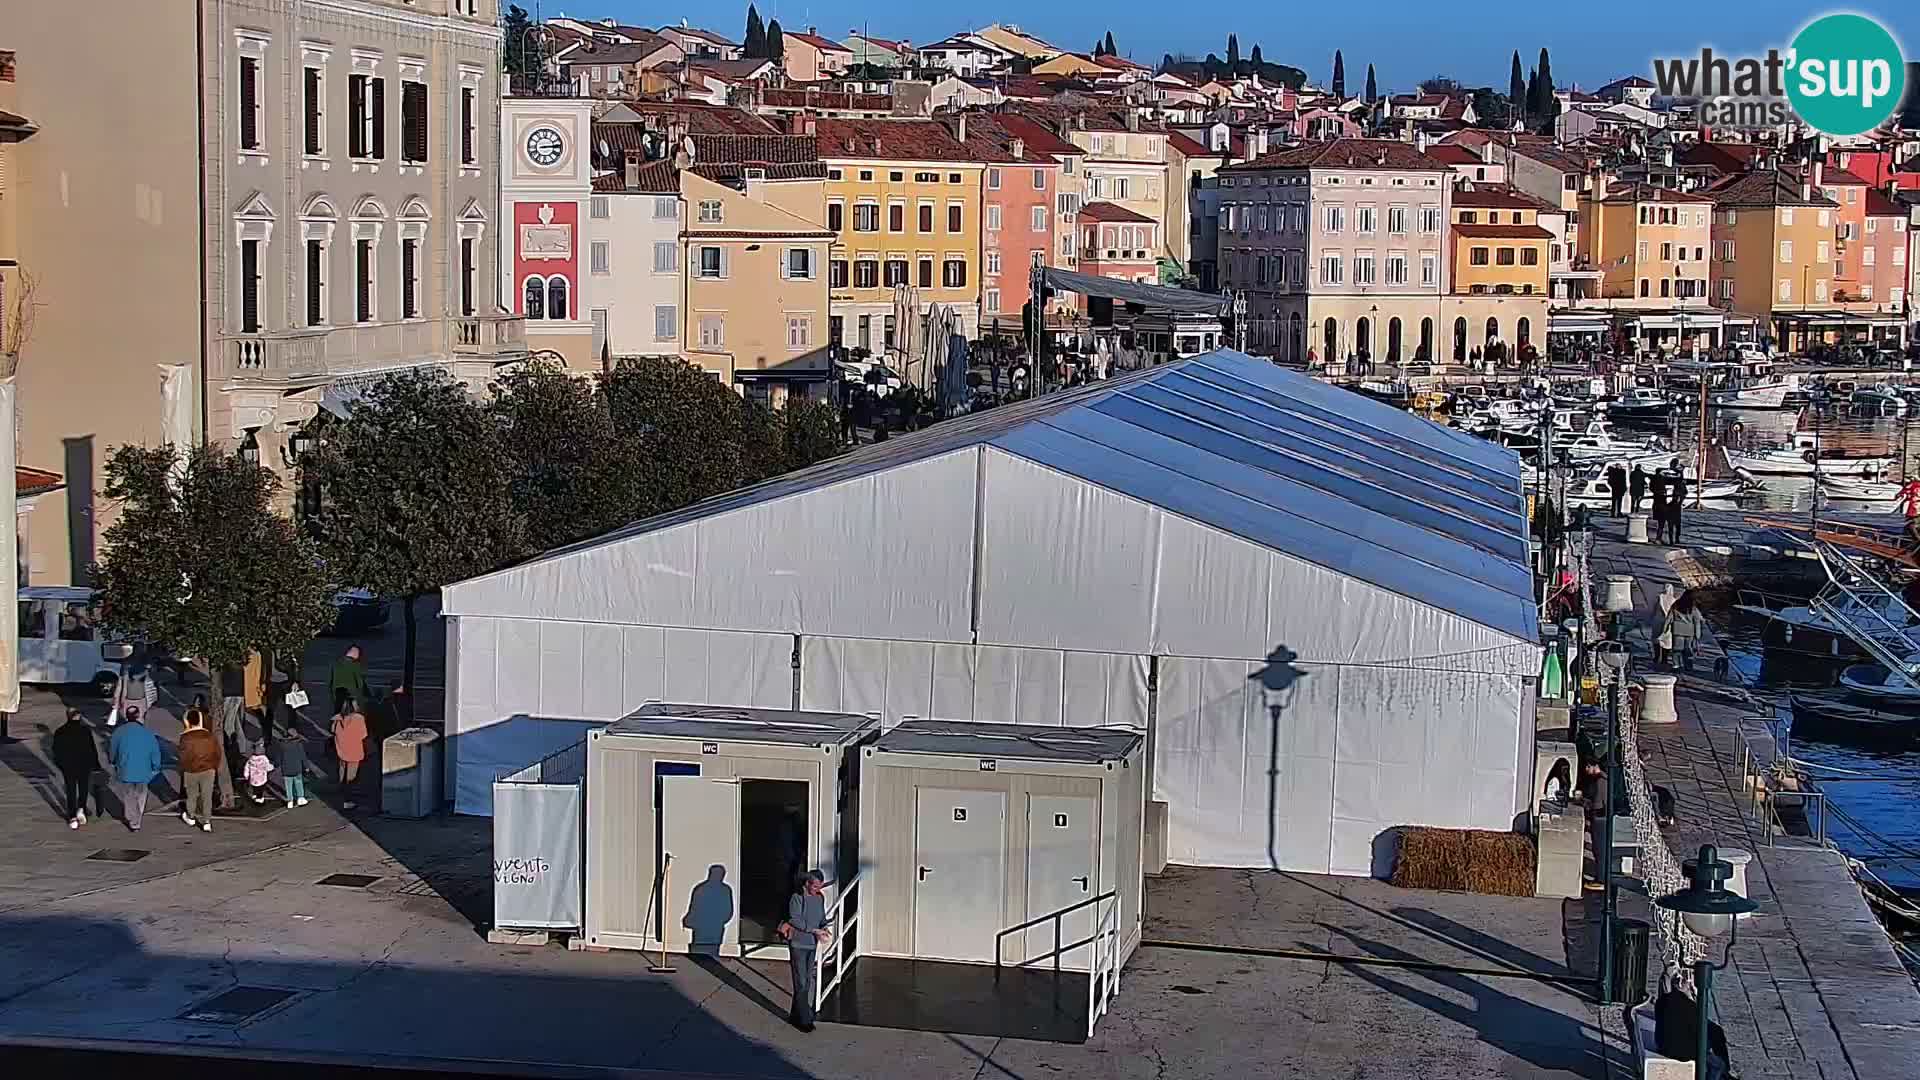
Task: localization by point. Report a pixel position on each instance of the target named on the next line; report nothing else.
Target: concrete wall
(634, 287)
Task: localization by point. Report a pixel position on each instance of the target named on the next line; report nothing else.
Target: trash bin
(410, 773)
(1630, 960)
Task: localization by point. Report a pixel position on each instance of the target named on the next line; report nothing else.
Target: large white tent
(1319, 607)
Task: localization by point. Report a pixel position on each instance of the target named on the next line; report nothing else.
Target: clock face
(544, 146)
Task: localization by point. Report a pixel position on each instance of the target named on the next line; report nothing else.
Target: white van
(61, 639)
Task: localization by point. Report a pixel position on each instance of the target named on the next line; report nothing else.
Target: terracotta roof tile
(28, 481)
(1502, 232)
(889, 140)
(1502, 197)
(1763, 187)
(1348, 154)
(1639, 193)
(1106, 211)
(1453, 154)
(814, 40)
(1879, 205)
(1040, 138)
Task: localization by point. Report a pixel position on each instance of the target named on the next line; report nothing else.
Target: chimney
(814, 30)
(633, 170)
(1133, 120)
(960, 129)
(809, 128)
(875, 140)
(1819, 172)
(1020, 150)
(1420, 141)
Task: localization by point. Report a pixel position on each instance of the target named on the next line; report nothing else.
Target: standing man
(1661, 485)
(1637, 486)
(348, 680)
(200, 758)
(805, 929)
(233, 732)
(77, 758)
(136, 761)
(1617, 485)
(1594, 793)
(1678, 499)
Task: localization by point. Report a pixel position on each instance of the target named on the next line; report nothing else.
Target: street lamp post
(1709, 910)
(1613, 662)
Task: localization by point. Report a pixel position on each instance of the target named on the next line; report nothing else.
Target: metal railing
(843, 915)
(1103, 975)
(1858, 605)
(1058, 918)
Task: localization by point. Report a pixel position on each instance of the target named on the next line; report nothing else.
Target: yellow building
(756, 284)
(1498, 257)
(1650, 243)
(1773, 256)
(903, 201)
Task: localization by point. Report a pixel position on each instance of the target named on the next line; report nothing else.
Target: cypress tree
(1517, 88)
(1255, 57)
(1373, 93)
(1111, 51)
(756, 44)
(1233, 50)
(1339, 75)
(1546, 107)
(776, 44)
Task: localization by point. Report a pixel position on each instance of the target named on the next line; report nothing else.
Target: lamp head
(1613, 654)
(1705, 905)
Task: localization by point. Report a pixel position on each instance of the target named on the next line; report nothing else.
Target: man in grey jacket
(805, 929)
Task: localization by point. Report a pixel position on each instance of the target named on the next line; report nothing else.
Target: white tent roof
(1223, 440)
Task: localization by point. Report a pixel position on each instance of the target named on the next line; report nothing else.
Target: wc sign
(1843, 75)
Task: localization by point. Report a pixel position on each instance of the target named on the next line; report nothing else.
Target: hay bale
(1464, 860)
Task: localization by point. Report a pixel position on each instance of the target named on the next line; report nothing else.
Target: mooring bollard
(1656, 704)
(1636, 528)
(1619, 593)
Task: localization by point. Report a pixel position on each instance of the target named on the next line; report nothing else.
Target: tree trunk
(413, 629)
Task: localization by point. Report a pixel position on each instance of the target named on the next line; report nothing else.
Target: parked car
(62, 641)
(355, 612)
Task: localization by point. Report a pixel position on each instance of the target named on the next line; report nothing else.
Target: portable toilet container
(1016, 842)
(701, 819)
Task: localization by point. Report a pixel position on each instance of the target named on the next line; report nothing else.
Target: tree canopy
(1108, 45)
(1233, 50)
(1373, 89)
(776, 42)
(1517, 88)
(755, 44)
(1339, 74)
(199, 561)
(522, 59)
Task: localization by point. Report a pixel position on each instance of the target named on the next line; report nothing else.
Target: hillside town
(700, 547)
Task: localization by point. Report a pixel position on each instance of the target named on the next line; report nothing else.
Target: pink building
(1019, 216)
(1883, 253)
(1118, 243)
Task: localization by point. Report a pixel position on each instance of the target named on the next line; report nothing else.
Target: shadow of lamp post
(1709, 910)
(1279, 681)
(1613, 665)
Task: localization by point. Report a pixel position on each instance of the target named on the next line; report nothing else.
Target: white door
(960, 873)
(700, 829)
(1062, 871)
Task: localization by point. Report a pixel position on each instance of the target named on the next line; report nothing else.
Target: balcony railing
(324, 352)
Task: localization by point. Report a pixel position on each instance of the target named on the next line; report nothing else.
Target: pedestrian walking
(1677, 502)
(1684, 624)
(77, 757)
(805, 930)
(1637, 486)
(348, 679)
(199, 762)
(1617, 485)
(135, 754)
(1594, 793)
(290, 754)
(350, 746)
(258, 768)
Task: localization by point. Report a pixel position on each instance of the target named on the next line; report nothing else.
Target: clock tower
(546, 181)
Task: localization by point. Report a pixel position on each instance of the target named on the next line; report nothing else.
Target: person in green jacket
(349, 679)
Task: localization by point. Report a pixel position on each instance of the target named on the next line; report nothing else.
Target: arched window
(1493, 329)
(1460, 338)
(1525, 331)
(1330, 348)
(1393, 340)
(1363, 336)
(556, 297)
(1426, 339)
(536, 307)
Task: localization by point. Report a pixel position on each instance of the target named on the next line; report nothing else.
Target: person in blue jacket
(136, 761)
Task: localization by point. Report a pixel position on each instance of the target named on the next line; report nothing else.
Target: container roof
(717, 723)
(1010, 742)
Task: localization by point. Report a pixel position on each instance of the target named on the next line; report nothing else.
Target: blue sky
(1590, 43)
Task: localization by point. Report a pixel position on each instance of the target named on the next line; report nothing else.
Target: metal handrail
(1866, 636)
(1103, 972)
(841, 922)
(1058, 929)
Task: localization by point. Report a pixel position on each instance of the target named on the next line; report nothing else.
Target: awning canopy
(1151, 297)
(1579, 324)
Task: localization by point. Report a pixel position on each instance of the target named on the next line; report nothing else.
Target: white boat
(1799, 460)
(1591, 490)
(1855, 489)
(1876, 685)
(1880, 398)
(1800, 628)
(1754, 384)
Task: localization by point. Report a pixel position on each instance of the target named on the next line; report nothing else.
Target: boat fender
(1807, 456)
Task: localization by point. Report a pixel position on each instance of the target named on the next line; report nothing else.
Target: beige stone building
(321, 212)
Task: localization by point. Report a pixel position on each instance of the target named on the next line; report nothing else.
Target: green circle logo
(1846, 75)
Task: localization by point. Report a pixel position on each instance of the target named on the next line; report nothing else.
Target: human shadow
(713, 965)
(1279, 681)
(709, 912)
(1551, 1041)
